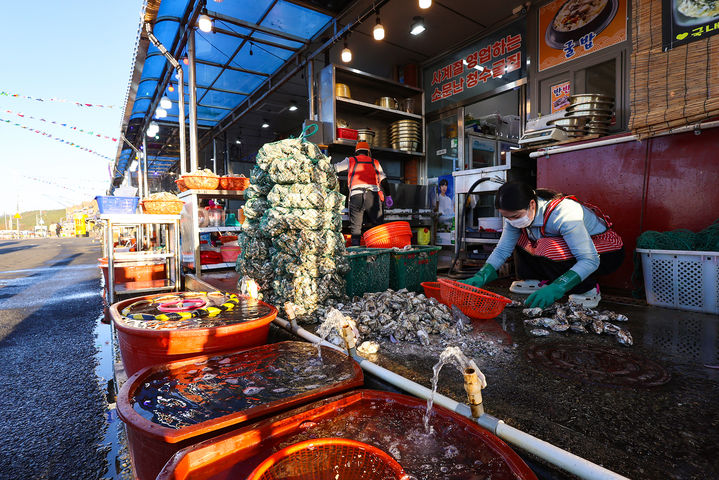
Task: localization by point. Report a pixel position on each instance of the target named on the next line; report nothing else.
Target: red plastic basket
(431, 290)
(347, 133)
(329, 459)
(472, 301)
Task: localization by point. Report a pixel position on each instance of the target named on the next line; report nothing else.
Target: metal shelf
(220, 229)
(353, 143)
(470, 240)
(368, 109)
(149, 286)
(212, 193)
(137, 218)
(217, 266)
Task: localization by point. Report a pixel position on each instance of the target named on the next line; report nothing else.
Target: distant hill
(27, 222)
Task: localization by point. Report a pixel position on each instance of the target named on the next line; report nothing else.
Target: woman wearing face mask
(560, 246)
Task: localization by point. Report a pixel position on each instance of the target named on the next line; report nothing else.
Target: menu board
(685, 21)
(487, 64)
(570, 29)
(560, 96)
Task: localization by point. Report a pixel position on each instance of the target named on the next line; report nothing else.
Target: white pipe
(616, 140)
(556, 456)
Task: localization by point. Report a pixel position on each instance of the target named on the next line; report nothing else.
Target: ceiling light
(133, 166)
(238, 141)
(417, 26)
(265, 124)
(425, 4)
(204, 23)
(346, 54)
(378, 30)
(170, 88)
(160, 112)
(293, 106)
(186, 61)
(166, 103)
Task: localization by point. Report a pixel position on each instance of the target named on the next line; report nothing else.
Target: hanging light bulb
(204, 23)
(160, 112)
(153, 129)
(293, 106)
(378, 30)
(346, 54)
(165, 102)
(423, 4)
(265, 124)
(186, 61)
(170, 88)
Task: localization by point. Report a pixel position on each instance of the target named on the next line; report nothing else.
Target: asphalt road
(52, 407)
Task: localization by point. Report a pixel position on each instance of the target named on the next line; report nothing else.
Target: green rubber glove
(546, 296)
(485, 275)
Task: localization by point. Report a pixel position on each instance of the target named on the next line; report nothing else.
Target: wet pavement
(645, 411)
(52, 408)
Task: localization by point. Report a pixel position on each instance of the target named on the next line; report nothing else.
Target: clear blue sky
(78, 50)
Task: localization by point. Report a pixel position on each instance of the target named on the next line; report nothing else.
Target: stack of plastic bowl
(389, 235)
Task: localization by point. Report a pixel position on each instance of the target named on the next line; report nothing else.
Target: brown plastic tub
(243, 386)
(141, 347)
(389, 421)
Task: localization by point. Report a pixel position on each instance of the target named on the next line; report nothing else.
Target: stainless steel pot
(590, 97)
(342, 90)
(387, 102)
(366, 135)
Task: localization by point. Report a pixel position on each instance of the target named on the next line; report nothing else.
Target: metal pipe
(193, 100)
(226, 156)
(214, 155)
(311, 88)
(181, 119)
(546, 451)
(144, 171)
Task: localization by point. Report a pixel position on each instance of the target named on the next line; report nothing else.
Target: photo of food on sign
(570, 29)
(685, 21)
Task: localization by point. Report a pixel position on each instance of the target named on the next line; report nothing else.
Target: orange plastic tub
(389, 235)
(172, 406)
(134, 271)
(388, 421)
(142, 347)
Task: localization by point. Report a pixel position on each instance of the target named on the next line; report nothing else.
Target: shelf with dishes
(378, 111)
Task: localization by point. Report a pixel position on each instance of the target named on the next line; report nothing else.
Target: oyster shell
(539, 332)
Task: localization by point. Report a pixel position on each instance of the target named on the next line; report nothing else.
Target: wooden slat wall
(669, 89)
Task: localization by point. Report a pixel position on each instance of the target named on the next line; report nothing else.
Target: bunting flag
(75, 188)
(58, 139)
(59, 100)
(22, 115)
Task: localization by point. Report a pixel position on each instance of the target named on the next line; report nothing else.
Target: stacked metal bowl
(587, 114)
(405, 135)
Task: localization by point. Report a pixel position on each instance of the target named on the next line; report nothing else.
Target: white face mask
(521, 222)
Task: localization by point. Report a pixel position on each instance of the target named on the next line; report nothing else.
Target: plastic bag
(309, 195)
(285, 148)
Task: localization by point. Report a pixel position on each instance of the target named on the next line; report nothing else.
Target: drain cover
(598, 364)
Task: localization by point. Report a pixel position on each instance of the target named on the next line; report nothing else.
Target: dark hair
(443, 182)
(514, 196)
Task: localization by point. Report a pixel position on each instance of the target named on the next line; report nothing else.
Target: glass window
(495, 116)
(601, 78)
(442, 146)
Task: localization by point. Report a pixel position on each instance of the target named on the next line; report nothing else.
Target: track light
(204, 23)
(346, 53)
(293, 106)
(160, 112)
(165, 102)
(424, 4)
(417, 26)
(265, 124)
(378, 30)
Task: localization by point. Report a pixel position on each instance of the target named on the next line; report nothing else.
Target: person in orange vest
(368, 188)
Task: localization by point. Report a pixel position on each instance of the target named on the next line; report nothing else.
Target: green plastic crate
(369, 270)
(409, 268)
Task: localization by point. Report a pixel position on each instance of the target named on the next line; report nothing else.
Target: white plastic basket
(681, 279)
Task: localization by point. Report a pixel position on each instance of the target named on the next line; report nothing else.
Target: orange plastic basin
(134, 272)
(388, 421)
(223, 402)
(142, 347)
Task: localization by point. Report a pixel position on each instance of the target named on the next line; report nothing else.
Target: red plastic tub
(388, 421)
(134, 271)
(230, 253)
(389, 235)
(141, 347)
(222, 393)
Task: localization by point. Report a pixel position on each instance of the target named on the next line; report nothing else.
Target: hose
(460, 225)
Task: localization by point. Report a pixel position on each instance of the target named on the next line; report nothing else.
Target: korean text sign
(487, 64)
(688, 21)
(570, 29)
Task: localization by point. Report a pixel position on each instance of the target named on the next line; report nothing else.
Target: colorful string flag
(22, 115)
(58, 139)
(59, 100)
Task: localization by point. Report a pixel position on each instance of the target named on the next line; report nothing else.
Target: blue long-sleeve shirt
(569, 220)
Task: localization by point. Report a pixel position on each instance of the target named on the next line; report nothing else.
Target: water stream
(453, 356)
(334, 320)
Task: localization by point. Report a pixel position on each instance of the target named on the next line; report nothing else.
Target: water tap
(474, 382)
(348, 335)
(291, 314)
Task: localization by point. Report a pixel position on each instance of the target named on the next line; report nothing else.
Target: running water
(333, 320)
(454, 356)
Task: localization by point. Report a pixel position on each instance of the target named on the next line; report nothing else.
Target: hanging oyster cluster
(291, 239)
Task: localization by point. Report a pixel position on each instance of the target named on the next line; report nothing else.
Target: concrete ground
(52, 407)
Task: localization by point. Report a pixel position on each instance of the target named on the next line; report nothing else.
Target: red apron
(555, 248)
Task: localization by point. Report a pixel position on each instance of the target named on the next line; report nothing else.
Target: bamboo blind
(674, 88)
